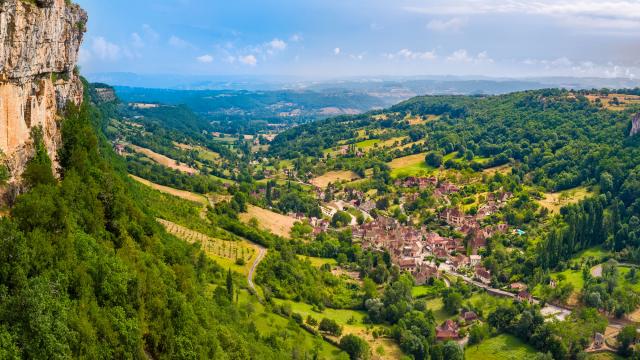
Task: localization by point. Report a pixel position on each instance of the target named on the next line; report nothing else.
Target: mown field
(332, 177)
(163, 160)
(554, 201)
(276, 223)
(501, 347)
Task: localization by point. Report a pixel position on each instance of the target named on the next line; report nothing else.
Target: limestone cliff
(39, 44)
(635, 125)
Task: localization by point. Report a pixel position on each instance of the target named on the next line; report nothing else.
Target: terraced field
(226, 253)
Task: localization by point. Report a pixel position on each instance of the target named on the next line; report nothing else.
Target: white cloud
(609, 14)
(412, 55)
(585, 68)
(460, 56)
(357, 56)
(248, 60)
(337, 51)
(296, 38)
(463, 55)
(453, 24)
(205, 59)
(276, 45)
(150, 33)
(136, 40)
(179, 43)
(105, 50)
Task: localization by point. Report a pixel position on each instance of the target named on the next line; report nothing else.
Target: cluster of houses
(450, 330)
(470, 225)
(410, 247)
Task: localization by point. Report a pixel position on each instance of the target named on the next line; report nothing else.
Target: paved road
(558, 311)
(261, 254)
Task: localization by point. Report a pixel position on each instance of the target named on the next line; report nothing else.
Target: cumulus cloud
(205, 59)
(276, 45)
(611, 14)
(337, 51)
(453, 24)
(248, 60)
(463, 55)
(105, 50)
(412, 55)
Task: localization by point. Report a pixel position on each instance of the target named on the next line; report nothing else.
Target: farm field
(163, 160)
(377, 143)
(554, 201)
(224, 252)
(416, 120)
(333, 177)
(608, 102)
(411, 165)
(276, 223)
(501, 347)
(502, 169)
(186, 195)
(342, 316)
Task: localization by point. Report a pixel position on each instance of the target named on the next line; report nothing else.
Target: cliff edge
(39, 45)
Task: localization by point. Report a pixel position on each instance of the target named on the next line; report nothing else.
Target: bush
(357, 348)
(330, 326)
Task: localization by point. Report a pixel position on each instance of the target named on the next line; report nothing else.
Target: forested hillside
(86, 273)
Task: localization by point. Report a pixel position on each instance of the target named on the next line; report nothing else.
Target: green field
(367, 143)
(604, 356)
(596, 252)
(484, 303)
(341, 316)
(267, 322)
(318, 262)
(501, 347)
(437, 306)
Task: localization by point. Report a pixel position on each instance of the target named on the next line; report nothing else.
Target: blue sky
(339, 38)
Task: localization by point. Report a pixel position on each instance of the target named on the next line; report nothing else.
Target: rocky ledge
(39, 45)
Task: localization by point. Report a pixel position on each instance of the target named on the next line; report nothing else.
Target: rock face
(635, 125)
(39, 44)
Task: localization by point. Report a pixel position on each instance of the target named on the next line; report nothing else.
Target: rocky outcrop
(39, 45)
(635, 125)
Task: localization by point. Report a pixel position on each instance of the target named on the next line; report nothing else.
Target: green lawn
(484, 303)
(341, 316)
(501, 347)
(437, 306)
(596, 252)
(318, 262)
(367, 143)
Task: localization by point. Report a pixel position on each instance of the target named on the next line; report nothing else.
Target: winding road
(261, 254)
